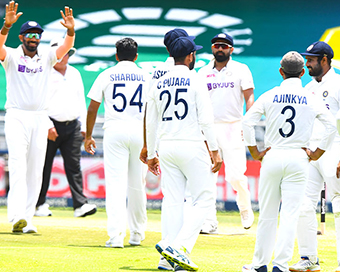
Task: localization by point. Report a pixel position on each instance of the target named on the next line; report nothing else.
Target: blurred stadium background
(263, 31)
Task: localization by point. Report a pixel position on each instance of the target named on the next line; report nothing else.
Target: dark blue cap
(29, 25)
(319, 49)
(183, 46)
(173, 34)
(223, 36)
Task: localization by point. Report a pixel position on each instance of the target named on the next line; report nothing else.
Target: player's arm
(249, 97)
(11, 17)
(90, 143)
(250, 119)
(143, 156)
(69, 39)
(151, 126)
(206, 121)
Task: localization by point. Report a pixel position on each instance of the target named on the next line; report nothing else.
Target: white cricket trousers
(283, 177)
(124, 178)
(185, 164)
(322, 170)
(233, 152)
(26, 136)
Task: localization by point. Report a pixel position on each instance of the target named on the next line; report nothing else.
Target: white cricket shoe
(86, 209)
(165, 265)
(178, 268)
(179, 257)
(250, 268)
(19, 225)
(43, 210)
(29, 229)
(247, 218)
(209, 228)
(305, 265)
(116, 242)
(136, 238)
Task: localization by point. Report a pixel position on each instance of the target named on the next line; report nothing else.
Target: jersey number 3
(133, 101)
(290, 121)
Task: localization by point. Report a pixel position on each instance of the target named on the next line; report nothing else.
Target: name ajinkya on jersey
(290, 98)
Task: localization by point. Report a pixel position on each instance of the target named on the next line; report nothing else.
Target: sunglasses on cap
(218, 45)
(33, 35)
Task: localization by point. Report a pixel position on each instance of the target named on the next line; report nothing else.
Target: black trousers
(69, 143)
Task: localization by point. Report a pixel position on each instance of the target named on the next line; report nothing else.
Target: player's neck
(29, 53)
(220, 65)
(325, 71)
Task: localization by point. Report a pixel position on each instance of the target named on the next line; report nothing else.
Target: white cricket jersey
(161, 70)
(226, 89)
(27, 78)
(329, 91)
(290, 113)
(66, 96)
(123, 88)
(179, 108)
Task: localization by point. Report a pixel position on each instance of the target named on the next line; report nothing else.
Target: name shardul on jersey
(127, 77)
(173, 81)
(290, 98)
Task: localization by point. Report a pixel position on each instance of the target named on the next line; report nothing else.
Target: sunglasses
(223, 45)
(33, 35)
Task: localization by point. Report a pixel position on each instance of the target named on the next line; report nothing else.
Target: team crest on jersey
(325, 94)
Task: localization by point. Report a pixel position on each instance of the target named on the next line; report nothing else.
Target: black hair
(292, 75)
(126, 49)
(179, 59)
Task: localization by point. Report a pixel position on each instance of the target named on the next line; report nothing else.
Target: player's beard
(31, 48)
(315, 71)
(192, 64)
(221, 56)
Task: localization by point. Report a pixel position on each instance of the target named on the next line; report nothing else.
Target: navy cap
(223, 36)
(183, 46)
(319, 49)
(30, 25)
(173, 34)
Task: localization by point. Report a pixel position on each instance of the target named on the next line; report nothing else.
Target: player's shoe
(178, 268)
(305, 265)
(165, 265)
(29, 229)
(250, 268)
(209, 228)
(247, 218)
(115, 242)
(161, 246)
(43, 210)
(276, 269)
(136, 238)
(86, 209)
(179, 257)
(19, 225)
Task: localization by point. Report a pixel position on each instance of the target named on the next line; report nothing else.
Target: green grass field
(64, 243)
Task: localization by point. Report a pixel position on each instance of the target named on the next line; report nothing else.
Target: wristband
(7, 27)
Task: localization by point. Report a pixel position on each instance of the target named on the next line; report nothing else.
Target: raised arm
(11, 17)
(69, 39)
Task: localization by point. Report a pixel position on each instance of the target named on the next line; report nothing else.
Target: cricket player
(290, 112)
(326, 86)
(26, 121)
(161, 70)
(230, 83)
(178, 110)
(123, 89)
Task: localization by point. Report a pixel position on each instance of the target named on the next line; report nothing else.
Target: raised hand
(68, 18)
(11, 13)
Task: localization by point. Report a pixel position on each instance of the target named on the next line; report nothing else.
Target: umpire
(68, 116)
